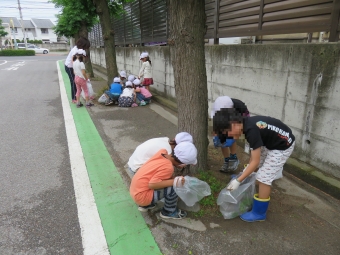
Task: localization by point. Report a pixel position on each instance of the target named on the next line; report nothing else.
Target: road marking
(125, 229)
(5, 61)
(92, 233)
(15, 67)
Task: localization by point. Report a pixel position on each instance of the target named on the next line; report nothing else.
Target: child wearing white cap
(122, 76)
(154, 180)
(131, 77)
(81, 78)
(142, 94)
(227, 144)
(128, 96)
(145, 71)
(150, 147)
(114, 93)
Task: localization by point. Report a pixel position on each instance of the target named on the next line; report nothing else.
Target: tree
(2, 33)
(105, 10)
(76, 19)
(186, 41)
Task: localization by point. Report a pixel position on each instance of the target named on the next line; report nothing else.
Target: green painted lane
(125, 229)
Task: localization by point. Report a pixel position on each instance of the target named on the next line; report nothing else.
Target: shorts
(113, 97)
(125, 101)
(271, 164)
(147, 81)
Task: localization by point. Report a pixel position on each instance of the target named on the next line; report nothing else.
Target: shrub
(17, 52)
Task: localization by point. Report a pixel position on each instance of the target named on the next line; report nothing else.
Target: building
(44, 30)
(36, 29)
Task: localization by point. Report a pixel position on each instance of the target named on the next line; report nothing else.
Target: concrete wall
(296, 83)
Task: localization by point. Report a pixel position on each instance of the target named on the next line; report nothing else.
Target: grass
(17, 52)
(208, 204)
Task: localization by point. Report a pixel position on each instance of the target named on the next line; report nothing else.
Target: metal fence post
(261, 14)
(216, 20)
(334, 33)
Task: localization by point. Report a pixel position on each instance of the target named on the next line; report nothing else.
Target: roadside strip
(125, 229)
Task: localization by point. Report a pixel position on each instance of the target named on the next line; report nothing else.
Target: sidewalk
(301, 219)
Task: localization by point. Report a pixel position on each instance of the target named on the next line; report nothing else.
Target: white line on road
(92, 232)
(5, 61)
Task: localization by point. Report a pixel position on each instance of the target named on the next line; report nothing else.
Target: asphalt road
(38, 213)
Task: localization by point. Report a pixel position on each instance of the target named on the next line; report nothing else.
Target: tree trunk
(108, 37)
(187, 30)
(88, 64)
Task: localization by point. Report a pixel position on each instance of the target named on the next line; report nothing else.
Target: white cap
(221, 103)
(116, 80)
(136, 82)
(122, 74)
(131, 78)
(128, 84)
(144, 55)
(81, 52)
(183, 137)
(186, 152)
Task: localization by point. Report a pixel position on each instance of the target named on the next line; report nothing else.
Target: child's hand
(233, 185)
(179, 181)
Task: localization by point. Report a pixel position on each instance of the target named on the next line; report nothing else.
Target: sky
(30, 9)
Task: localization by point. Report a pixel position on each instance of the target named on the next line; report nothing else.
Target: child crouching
(128, 95)
(113, 94)
(142, 94)
(154, 180)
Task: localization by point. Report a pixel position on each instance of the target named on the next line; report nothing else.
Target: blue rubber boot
(259, 211)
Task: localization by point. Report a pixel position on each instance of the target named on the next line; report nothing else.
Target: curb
(306, 173)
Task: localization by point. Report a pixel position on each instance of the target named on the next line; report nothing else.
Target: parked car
(37, 49)
(22, 45)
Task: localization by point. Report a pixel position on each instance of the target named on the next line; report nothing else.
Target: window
(27, 29)
(30, 47)
(15, 29)
(44, 30)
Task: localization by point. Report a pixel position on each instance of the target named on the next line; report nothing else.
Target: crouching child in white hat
(142, 94)
(154, 180)
(128, 96)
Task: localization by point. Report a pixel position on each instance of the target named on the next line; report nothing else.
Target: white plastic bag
(89, 89)
(192, 191)
(102, 99)
(236, 202)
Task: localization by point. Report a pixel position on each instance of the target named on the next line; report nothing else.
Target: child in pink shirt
(142, 94)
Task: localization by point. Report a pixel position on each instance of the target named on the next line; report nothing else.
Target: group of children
(271, 143)
(131, 91)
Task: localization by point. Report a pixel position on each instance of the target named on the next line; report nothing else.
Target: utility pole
(15, 40)
(22, 24)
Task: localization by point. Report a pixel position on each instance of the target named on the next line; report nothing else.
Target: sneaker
(89, 104)
(142, 103)
(176, 215)
(146, 208)
(233, 164)
(109, 103)
(74, 101)
(225, 167)
(79, 105)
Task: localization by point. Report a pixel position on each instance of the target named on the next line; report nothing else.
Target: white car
(37, 49)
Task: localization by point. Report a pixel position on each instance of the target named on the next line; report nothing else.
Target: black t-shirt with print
(268, 132)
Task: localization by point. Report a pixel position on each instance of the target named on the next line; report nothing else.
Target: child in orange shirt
(154, 180)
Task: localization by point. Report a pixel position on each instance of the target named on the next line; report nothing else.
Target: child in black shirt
(271, 143)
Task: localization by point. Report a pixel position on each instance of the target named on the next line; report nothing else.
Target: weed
(208, 204)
